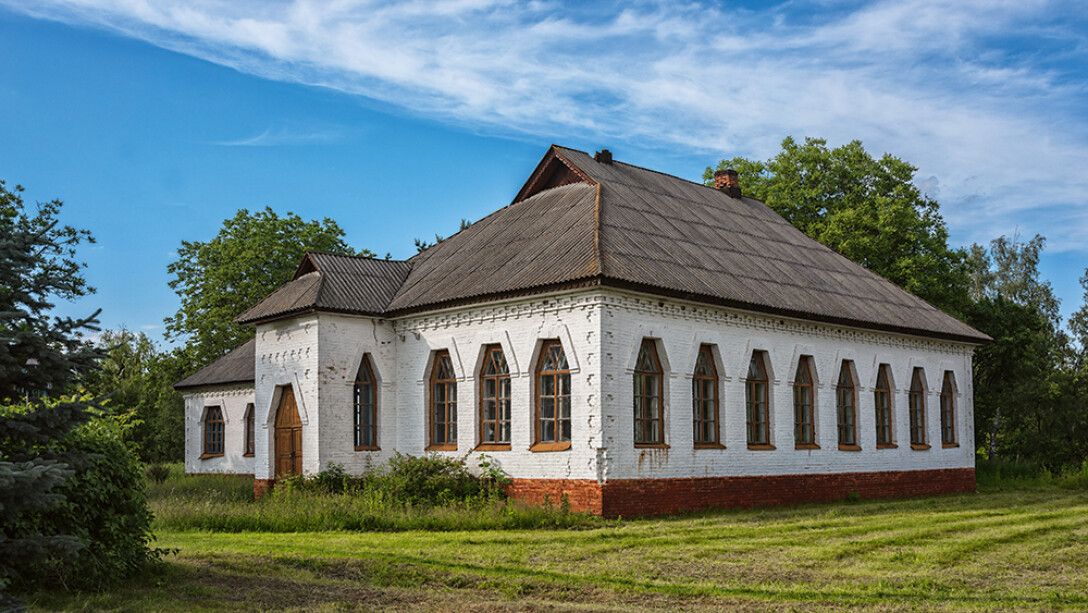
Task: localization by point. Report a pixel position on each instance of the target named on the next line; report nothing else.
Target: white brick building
(595, 293)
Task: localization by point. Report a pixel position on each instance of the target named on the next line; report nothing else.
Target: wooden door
(288, 436)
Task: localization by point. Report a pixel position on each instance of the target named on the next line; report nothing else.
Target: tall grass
(224, 503)
(1008, 474)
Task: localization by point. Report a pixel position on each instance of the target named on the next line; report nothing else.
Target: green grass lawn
(998, 550)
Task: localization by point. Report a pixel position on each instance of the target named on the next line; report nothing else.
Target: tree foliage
(868, 209)
(51, 528)
(39, 352)
(250, 256)
(136, 377)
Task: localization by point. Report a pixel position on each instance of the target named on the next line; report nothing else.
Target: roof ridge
(662, 173)
(353, 256)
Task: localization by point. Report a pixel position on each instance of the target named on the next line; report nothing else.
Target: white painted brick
(319, 354)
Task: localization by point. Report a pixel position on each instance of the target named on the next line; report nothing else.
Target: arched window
(758, 400)
(846, 400)
(365, 401)
(495, 398)
(948, 410)
(704, 394)
(552, 430)
(249, 442)
(917, 405)
(443, 409)
(882, 399)
(213, 431)
(804, 404)
(649, 396)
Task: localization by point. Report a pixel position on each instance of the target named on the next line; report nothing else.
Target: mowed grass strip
(1015, 550)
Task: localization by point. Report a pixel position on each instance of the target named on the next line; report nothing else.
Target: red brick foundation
(634, 497)
(262, 487)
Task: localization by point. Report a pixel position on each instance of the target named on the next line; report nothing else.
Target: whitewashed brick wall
(682, 328)
(601, 332)
(233, 400)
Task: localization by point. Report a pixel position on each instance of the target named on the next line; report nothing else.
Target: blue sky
(155, 121)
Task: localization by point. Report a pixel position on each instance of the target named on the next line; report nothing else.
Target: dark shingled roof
(580, 222)
(235, 367)
(329, 282)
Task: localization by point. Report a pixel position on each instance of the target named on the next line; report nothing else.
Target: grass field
(999, 550)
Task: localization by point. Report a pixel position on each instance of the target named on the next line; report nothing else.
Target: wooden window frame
(750, 408)
(367, 367)
(500, 397)
(206, 421)
(883, 390)
(557, 374)
(249, 438)
(949, 436)
(916, 407)
(698, 381)
(805, 364)
(843, 392)
(451, 416)
(657, 380)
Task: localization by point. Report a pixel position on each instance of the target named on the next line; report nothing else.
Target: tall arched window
(948, 410)
(804, 404)
(704, 399)
(552, 429)
(917, 402)
(846, 399)
(213, 432)
(495, 399)
(250, 445)
(758, 401)
(365, 401)
(443, 409)
(882, 399)
(649, 396)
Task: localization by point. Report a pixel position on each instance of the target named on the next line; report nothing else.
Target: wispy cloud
(272, 137)
(986, 96)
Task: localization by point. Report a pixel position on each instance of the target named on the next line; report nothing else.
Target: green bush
(105, 507)
(429, 480)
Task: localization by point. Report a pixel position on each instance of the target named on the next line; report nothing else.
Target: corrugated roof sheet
(660, 231)
(625, 226)
(236, 367)
(326, 281)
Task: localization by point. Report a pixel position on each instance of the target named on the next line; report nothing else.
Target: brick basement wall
(583, 494)
(262, 487)
(635, 497)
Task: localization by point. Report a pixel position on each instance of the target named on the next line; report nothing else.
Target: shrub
(105, 507)
(429, 480)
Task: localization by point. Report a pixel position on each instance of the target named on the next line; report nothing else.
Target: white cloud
(972, 91)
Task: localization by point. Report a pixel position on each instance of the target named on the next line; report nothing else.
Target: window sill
(651, 445)
(546, 447)
(949, 445)
(368, 448)
(709, 446)
(247, 455)
(761, 447)
(441, 447)
(887, 446)
(492, 447)
(843, 447)
(919, 446)
(808, 446)
(208, 456)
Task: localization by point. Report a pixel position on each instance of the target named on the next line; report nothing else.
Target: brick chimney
(726, 180)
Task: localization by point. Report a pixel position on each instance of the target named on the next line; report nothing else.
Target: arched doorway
(288, 436)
